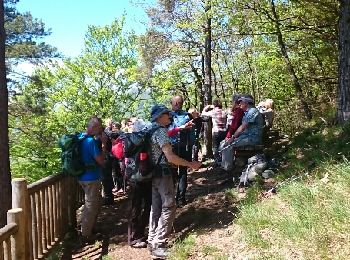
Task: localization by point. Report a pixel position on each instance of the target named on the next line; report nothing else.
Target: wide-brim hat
(157, 111)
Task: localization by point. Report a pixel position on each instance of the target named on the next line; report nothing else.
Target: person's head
(194, 112)
(245, 102)
(116, 127)
(235, 98)
(269, 103)
(176, 103)
(94, 126)
(138, 125)
(217, 103)
(160, 114)
(109, 122)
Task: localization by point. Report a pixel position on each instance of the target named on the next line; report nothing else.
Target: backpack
(135, 149)
(72, 162)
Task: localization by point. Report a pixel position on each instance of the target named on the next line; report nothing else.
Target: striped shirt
(218, 117)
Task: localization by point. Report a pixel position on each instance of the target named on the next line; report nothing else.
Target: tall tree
(5, 175)
(343, 113)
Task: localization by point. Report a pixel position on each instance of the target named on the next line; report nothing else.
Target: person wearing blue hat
(163, 189)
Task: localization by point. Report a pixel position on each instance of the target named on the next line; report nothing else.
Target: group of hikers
(172, 147)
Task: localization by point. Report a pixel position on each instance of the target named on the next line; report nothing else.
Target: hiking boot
(150, 247)
(181, 203)
(159, 253)
(140, 244)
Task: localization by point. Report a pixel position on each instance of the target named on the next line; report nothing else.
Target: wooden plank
(8, 231)
(47, 214)
(44, 226)
(34, 225)
(41, 184)
(7, 249)
(39, 223)
(51, 214)
(2, 250)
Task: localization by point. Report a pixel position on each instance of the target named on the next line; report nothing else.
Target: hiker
(107, 177)
(182, 146)
(196, 131)
(237, 115)
(90, 180)
(141, 200)
(251, 129)
(163, 190)
(219, 117)
(266, 108)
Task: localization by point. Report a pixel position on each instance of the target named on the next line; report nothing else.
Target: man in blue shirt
(182, 145)
(251, 129)
(93, 158)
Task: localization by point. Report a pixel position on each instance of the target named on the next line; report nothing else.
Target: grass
(309, 217)
(182, 249)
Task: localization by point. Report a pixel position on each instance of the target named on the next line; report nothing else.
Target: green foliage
(24, 35)
(60, 98)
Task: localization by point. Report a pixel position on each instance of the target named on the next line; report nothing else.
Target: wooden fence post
(18, 239)
(20, 199)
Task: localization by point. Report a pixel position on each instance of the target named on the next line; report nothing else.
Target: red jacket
(238, 114)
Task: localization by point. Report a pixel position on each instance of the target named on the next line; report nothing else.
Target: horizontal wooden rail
(45, 182)
(7, 231)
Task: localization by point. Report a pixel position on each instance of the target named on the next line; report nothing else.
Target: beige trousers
(92, 206)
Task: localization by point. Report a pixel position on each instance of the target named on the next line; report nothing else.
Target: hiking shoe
(159, 253)
(139, 245)
(181, 203)
(150, 247)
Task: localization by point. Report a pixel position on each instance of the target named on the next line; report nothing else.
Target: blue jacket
(180, 118)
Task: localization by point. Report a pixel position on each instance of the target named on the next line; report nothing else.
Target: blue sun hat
(157, 111)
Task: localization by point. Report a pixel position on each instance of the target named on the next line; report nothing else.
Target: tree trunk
(290, 68)
(5, 176)
(343, 113)
(207, 78)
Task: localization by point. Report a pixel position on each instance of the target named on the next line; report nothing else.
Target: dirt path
(207, 208)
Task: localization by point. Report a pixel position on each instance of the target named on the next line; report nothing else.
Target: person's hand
(195, 165)
(188, 125)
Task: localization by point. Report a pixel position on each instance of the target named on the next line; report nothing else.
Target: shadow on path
(207, 208)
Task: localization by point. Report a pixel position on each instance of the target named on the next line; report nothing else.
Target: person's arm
(205, 111)
(176, 130)
(240, 130)
(174, 159)
(100, 160)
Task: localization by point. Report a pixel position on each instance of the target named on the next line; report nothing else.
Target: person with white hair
(90, 180)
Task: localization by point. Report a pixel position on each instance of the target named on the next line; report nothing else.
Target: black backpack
(137, 154)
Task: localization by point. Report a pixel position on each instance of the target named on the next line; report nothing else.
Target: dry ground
(208, 210)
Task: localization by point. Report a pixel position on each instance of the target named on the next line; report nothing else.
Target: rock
(267, 174)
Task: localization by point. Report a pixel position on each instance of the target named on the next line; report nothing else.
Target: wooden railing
(48, 208)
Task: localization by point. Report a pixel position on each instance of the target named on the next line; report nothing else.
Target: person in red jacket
(238, 114)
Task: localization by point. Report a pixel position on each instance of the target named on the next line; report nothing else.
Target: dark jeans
(117, 174)
(107, 180)
(217, 138)
(195, 150)
(141, 202)
(184, 152)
